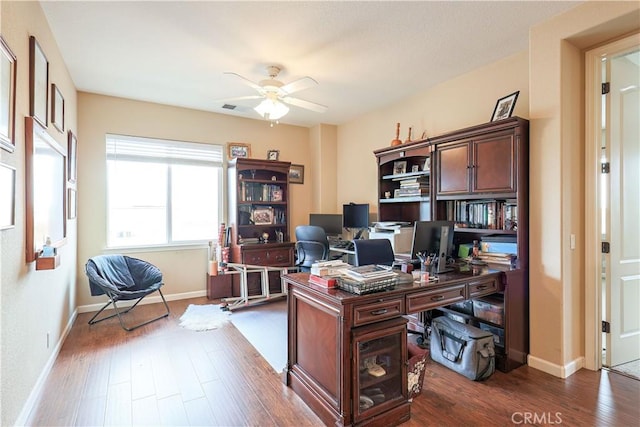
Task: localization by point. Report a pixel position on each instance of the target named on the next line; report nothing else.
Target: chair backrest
(373, 251)
(119, 274)
(311, 245)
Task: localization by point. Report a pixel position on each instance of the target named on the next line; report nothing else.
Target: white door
(622, 104)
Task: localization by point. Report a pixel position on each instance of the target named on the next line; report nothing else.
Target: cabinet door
(380, 373)
(453, 167)
(494, 164)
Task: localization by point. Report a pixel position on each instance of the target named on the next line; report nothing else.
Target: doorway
(613, 229)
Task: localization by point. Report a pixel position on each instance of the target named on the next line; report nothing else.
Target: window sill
(155, 248)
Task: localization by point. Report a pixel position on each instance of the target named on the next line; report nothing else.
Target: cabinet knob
(437, 298)
(379, 312)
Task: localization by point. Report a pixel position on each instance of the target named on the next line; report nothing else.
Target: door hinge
(606, 247)
(604, 167)
(606, 327)
(605, 88)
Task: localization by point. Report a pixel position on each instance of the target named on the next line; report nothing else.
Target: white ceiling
(364, 55)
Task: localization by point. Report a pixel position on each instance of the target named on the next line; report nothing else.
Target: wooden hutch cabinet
(479, 179)
(259, 206)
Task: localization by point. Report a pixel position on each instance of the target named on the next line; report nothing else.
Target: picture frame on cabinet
(263, 216)
(72, 155)
(7, 96)
(38, 83)
(296, 174)
(273, 154)
(399, 167)
(504, 107)
(57, 108)
(239, 149)
(427, 164)
(7, 196)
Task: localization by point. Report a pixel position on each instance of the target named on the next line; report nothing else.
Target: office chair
(123, 278)
(373, 251)
(312, 245)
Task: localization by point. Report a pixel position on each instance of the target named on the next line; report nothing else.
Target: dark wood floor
(162, 374)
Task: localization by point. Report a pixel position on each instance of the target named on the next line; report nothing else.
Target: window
(162, 192)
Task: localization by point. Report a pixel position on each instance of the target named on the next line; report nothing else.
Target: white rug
(203, 317)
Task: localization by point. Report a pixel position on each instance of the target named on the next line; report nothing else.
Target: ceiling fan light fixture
(272, 109)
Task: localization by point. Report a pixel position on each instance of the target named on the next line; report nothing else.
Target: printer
(399, 233)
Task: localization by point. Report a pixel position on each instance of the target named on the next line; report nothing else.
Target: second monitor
(434, 238)
(356, 216)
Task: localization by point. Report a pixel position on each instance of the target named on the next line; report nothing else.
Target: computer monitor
(331, 223)
(434, 237)
(356, 216)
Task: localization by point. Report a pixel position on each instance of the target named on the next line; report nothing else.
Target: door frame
(593, 254)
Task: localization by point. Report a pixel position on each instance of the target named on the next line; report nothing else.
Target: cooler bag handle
(447, 355)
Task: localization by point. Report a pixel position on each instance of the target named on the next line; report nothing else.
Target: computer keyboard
(344, 244)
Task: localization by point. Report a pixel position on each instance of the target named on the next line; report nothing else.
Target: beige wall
(184, 270)
(557, 291)
(34, 304)
(464, 101)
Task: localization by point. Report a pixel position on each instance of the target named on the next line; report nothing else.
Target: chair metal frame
(113, 300)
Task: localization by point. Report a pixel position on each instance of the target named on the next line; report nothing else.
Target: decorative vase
(397, 140)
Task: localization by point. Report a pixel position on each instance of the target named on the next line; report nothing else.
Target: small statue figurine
(265, 237)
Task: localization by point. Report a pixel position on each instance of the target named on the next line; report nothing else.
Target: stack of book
(370, 273)
(412, 187)
(326, 273)
(495, 257)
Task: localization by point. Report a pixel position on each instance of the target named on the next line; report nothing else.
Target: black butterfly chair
(123, 278)
(373, 251)
(312, 245)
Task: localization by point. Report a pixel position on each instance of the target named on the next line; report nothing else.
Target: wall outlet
(48, 333)
(572, 241)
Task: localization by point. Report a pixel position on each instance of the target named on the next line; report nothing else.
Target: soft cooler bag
(462, 348)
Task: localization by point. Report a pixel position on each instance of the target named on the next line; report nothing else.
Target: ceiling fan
(275, 94)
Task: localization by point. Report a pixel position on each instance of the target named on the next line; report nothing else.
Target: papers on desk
(390, 225)
(370, 273)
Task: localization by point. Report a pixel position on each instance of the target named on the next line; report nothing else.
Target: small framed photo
(72, 155)
(296, 174)
(427, 164)
(263, 216)
(399, 167)
(504, 107)
(38, 83)
(7, 97)
(72, 203)
(57, 108)
(277, 195)
(239, 149)
(273, 154)
(415, 168)
(7, 196)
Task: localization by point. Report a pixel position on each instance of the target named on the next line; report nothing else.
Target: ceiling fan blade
(318, 108)
(298, 85)
(246, 81)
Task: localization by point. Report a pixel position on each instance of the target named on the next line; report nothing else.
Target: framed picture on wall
(504, 107)
(7, 97)
(296, 174)
(72, 203)
(7, 196)
(72, 154)
(38, 83)
(273, 154)
(57, 108)
(239, 149)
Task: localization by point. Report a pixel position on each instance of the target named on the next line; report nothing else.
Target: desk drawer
(377, 311)
(427, 300)
(484, 287)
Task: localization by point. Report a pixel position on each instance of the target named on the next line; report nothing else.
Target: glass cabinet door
(380, 372)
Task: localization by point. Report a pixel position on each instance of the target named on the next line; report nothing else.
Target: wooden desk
(332, 334)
